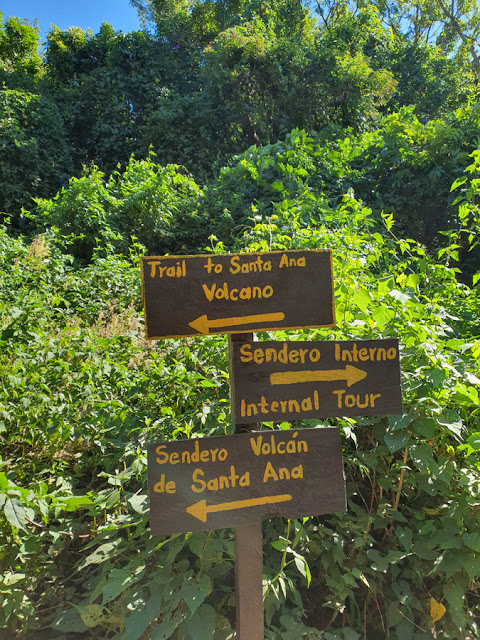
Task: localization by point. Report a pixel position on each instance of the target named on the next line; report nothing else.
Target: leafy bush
(83, 392)
(145, 203)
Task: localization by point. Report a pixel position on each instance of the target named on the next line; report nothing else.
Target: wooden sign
(292, 380)
(234, 293)
(227, 481)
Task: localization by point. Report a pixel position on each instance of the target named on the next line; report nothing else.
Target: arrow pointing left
(200, 510)
(203, 325)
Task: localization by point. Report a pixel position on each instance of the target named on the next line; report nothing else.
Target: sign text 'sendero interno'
(294, 380)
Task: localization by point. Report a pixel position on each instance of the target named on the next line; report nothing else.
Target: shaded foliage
(35, 157)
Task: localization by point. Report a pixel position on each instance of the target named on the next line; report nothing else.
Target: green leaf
(422, 456)
(454, 592)
(303, 568)
(77, 502)
(119, 580)
(69, 621)
(400, 296)
(143, 616)
(15, 514)
(405, 537)
(164, 629)
(472, 541)
(396, 422)
(397, 440)
(139, 502)
(425, 427)
(466, 394)
(458, 182)
(452, 421)
(194, 592)
(4, 483)
(103, 553)
(362, 299)
(91, 614)
(201, 626)
(382, 316)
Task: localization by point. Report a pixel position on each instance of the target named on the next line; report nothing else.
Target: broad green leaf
(119, 580)
(396, 440)
(425, 427)
(104, 552)
(472, 541)
(164, 629)
(362, 299)
(69, 621)
(401, 296)
(142, 616)
(474, 441)
(4, 483)
(466, 394)
(454, 592)
(194, 592)
(396, 422)
(458, 182)
(452, 421)
(201, 626)
(10, 579)
(139, 502)
(383, 315)
(77, 502)
(405, 537)
(15, 514)
(422, 456)
(91, 614)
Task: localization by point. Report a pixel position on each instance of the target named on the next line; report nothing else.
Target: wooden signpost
(239, 480)
(234, 293)
(293, 380)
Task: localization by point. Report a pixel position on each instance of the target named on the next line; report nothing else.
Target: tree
(20, 63)
(35, 157)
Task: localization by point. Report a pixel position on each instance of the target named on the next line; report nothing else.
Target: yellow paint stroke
(350, 374)
(203, 324)
(200, 510)
(437, 610)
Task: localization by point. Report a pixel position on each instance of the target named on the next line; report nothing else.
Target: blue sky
(87, 14)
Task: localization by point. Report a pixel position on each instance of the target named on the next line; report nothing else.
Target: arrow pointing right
(350, 374)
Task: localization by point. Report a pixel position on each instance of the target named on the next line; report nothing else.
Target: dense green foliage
(82, 393)
(238, 126)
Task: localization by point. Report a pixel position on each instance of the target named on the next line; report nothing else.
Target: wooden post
(248, 581)
(248, 550)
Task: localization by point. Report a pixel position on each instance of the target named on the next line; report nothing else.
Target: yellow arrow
(203, 324)
(200, 510)
(350, 374)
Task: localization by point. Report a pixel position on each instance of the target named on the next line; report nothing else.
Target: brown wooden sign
(234, 293)
(292, 380)
(227, 481)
